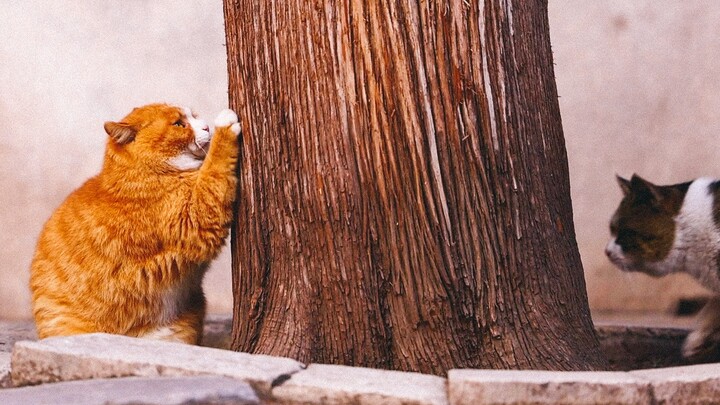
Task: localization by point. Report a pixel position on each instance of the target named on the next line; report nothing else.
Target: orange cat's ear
(120, 132)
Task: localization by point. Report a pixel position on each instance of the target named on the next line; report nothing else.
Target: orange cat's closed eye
(126, 252)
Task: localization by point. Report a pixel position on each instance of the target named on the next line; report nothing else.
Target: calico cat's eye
(179, 123)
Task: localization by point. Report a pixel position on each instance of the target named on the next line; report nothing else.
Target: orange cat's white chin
(199, 149)
(189, 159)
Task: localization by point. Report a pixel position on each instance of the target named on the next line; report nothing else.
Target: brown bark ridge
(404, 200)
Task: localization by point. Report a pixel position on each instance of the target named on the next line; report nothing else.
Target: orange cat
(126, 252)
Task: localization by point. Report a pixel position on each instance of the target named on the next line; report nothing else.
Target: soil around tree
(636, 348)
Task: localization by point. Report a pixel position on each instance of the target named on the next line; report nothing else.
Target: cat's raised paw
(226, 118)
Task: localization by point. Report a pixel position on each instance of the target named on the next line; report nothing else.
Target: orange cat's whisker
(200, 147)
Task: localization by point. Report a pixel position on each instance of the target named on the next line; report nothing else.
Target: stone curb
(286, 381)
(135, 390)
(331, 384)
(546, 387)
(100, 355)
(698, 384)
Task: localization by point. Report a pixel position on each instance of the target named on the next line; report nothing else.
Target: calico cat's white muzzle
(614, 252)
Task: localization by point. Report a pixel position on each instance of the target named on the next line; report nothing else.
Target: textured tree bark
(404, 200)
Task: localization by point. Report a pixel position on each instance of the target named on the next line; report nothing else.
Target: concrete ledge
(546, 387)
(684, 385)
(330, 384)
(101, 355)
(134, 390)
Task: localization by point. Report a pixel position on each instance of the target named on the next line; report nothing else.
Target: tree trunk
(404, 200)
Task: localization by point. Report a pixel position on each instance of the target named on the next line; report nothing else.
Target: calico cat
(660, 230)
(127, 251)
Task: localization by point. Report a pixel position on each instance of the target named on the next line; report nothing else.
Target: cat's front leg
(703, 343)
(215, 186)
(209, 209)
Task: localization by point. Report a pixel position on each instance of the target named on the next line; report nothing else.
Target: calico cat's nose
(611, 249)
(615, 253)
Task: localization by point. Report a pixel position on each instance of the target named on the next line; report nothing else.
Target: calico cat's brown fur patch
(644, 223)
(126, 252)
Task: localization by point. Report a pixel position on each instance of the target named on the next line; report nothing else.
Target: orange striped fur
(126, 252)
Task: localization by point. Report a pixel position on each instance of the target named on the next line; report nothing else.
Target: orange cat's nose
(205, 128)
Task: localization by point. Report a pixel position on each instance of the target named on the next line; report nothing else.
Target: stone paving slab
(135, 390)
(332, 384)
(546, 387)
(698, 384)
(100, 355)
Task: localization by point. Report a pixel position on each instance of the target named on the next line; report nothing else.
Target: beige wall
(638, 83)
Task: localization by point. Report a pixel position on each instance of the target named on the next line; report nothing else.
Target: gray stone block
(330, 384)
(546, 387)
(135, 390)
(13, 331)
(101, 355)
(5, 380)
(684, 385)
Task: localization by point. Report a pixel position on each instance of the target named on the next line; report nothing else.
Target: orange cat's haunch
(127, 251)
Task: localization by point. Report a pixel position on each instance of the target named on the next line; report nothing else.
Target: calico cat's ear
(120, 132)
(624, 184)
(646, 189)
